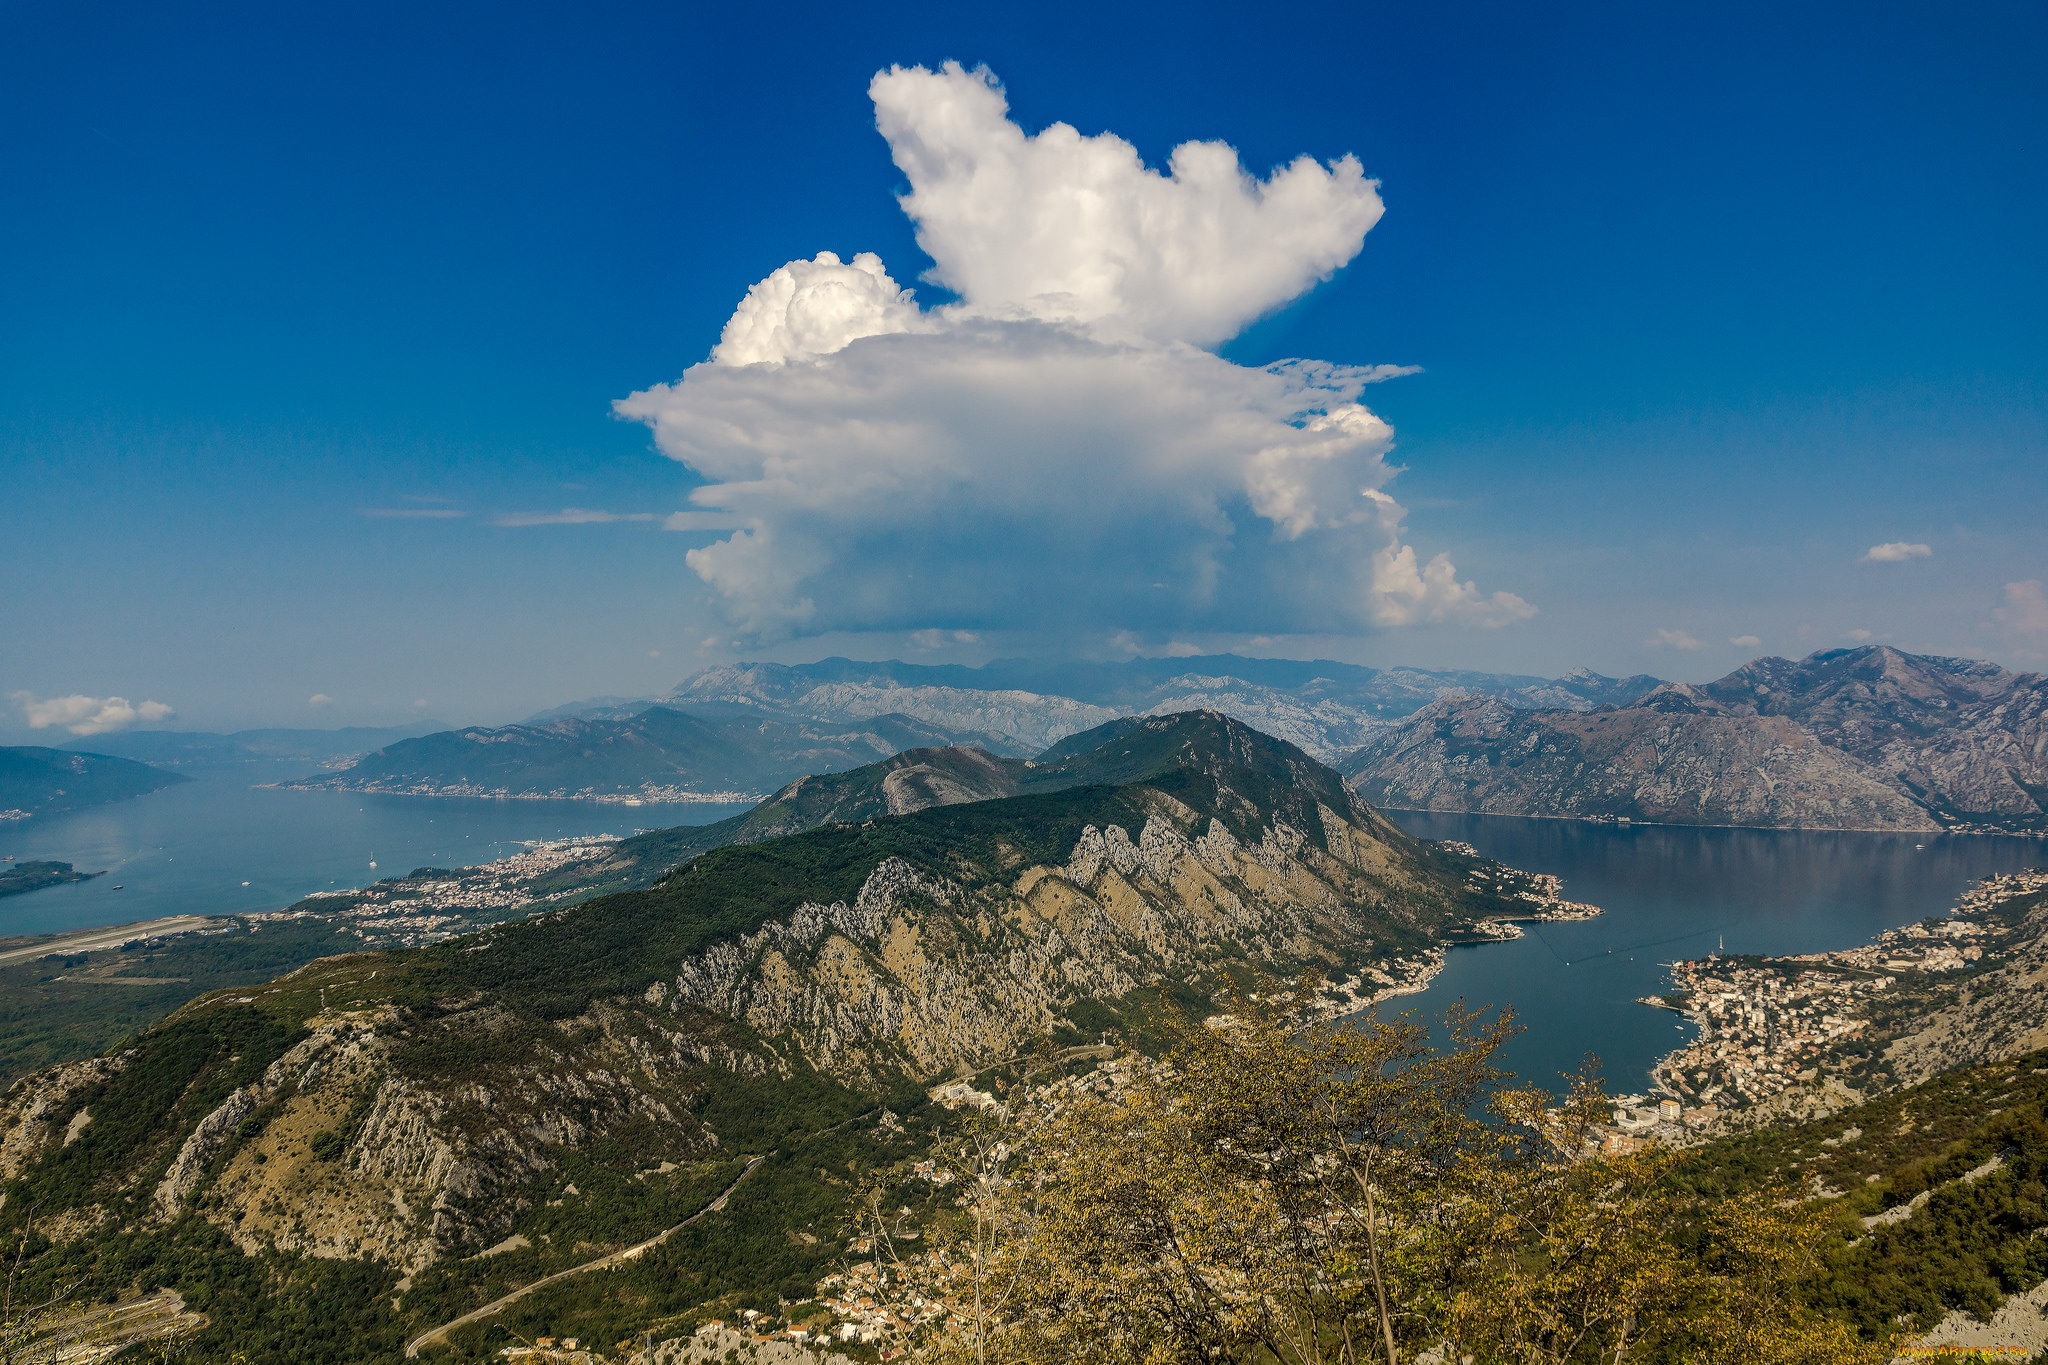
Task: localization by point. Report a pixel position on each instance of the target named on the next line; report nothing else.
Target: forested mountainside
(1322, 706)
(1869, 738)
(364, 1128)
(657, 754)
(39, 781)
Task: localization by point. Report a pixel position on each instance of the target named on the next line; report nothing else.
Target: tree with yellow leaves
(1294, 1189)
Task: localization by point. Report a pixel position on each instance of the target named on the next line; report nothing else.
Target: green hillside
(659, 751)
(37, 781)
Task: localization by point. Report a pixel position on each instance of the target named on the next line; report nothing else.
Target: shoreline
(1616, 822)
(1771, 1029)
(659, 796)
(1417, 973)
(107, 936)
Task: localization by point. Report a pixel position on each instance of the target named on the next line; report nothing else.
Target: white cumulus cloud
(1056, 449)
(816, 307)
(1896, 551)
(1746, 641)
(1675, 639)
(1060, 226)
(83, 715)
(319, 701)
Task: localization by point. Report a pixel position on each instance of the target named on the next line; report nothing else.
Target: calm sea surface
(1673, 892)
(188, 849)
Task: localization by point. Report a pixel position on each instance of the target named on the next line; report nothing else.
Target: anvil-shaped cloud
(1057, 450)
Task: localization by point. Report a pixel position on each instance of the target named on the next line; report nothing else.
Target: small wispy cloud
(83, 715)
(1895, 552)
(1746, 641)
(1859, 635)
(319, 701)
(1676, 639)
(434, 513)
(569, 516)
(703, 521)
(940, 639)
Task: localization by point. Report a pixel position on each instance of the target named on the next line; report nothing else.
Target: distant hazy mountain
(1869, 738)
(197, 751)
(659, 753)
(38, 781)
(1325, 707)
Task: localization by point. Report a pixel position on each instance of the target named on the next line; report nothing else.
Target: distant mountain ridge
(201, 751)
(1866, 738)
(1325, 707)
(736, 730)
(659, 753)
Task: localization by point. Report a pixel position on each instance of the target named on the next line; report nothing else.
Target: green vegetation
(1288, 1190)
(173, 1077)
(266, 1307)
(44, 781)
(660, 746)
(111, 995)
(1973, 1241)
(15, 878)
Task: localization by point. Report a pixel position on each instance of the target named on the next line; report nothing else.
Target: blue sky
(1706, 306)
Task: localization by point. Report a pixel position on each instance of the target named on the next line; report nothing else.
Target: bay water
(1673, 892)
(221, 844)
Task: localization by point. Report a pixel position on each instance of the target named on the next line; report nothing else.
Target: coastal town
(647, 794)
(430, 904)
(1768, 1024)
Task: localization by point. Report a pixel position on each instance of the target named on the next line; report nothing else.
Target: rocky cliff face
(931, 975)
(1638, 764)
(1853, 739)
(357, 1142)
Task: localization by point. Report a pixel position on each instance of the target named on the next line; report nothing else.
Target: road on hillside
(93, 940)
(440, 1333)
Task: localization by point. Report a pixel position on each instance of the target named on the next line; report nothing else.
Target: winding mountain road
(440, 1333)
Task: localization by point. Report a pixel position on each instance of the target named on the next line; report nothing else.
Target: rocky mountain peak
(1869, 737)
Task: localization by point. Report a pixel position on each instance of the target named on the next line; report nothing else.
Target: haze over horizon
(482, 367)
